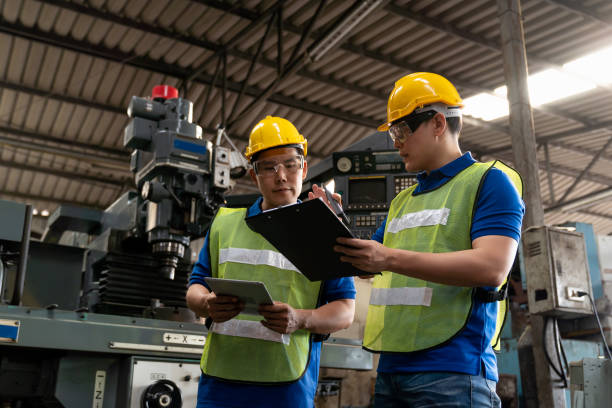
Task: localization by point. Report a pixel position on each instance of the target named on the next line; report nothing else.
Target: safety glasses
(270, 167)
(405, 127)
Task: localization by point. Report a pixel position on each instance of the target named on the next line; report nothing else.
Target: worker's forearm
(461, 268)
(329, 318)
(196, 299)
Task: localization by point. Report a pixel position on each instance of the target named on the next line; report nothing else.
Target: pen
(336, 207)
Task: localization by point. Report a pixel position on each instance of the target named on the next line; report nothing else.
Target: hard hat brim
(384, 127)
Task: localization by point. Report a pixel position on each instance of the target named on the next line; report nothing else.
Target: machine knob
(344, 164)
(162, 394)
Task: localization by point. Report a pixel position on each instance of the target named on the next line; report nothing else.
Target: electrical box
(556, 268)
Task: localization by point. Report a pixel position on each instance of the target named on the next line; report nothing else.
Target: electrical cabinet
(557, 270)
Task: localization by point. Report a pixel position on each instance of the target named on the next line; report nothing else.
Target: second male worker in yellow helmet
(274, 362)
(446, 247)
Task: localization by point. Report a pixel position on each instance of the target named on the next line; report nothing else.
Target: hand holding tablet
(251, 293)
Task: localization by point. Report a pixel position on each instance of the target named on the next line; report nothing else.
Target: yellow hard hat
(417, 90)
(273, 131)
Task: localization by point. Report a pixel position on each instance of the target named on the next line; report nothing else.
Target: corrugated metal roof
(71, 66)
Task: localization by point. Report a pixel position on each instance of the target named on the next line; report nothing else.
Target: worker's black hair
(454, 125)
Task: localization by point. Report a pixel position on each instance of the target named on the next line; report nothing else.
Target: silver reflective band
(401, 296)
(256, 257)
(250, 329)
(447, 111)
(419, 219)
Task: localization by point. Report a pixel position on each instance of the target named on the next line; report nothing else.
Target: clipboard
(252, 293)
(306, 233)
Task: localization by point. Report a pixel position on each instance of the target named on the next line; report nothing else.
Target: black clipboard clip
(336, 207)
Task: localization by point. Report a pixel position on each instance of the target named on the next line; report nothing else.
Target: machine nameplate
(9, 331)
(186, 339)
(153, 347)
(100, 382)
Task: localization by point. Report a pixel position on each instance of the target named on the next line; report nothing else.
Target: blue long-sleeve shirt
(499, 211)
(299, 394)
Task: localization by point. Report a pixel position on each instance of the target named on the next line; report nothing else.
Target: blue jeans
(434, 390)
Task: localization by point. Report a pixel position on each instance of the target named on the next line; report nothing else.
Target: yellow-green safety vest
(408, 314)
(242, 349)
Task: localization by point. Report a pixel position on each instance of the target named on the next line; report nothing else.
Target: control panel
(368, 181)
(368, 162)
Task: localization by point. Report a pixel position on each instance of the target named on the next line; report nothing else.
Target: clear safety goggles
(269, 167)
(405, 127)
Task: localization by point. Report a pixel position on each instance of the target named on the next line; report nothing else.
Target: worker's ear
(439, 124)
(305, 170)
(253, 176)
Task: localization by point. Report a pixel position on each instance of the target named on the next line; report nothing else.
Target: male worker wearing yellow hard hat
(273, 362)
(445, 249)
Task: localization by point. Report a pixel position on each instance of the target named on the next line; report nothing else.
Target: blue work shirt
(499, 211)
(298, 394)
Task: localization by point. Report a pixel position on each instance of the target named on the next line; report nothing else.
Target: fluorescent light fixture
(580, 75)
(34, 211)
(44, 213)
(486, 106)
(596, 66)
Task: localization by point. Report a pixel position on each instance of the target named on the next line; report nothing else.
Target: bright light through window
(551, 85)
(596, 66)
(547, 86)
(485, 106)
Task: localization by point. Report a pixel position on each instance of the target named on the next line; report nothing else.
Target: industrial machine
(107, 325)
(102, 322)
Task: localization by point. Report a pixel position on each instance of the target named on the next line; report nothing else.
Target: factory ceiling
(69, 68)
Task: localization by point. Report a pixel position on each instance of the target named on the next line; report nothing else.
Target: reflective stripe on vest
(250, 329)
(419, 219)
(401, 296)
(242, 349)
(436, 221)
(256, 257)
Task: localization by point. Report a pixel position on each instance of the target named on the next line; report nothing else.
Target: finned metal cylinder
(168, 254)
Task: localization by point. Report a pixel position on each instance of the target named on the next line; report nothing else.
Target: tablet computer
(252, 293)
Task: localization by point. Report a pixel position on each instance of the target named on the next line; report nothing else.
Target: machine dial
(344, 164)
(162, 394)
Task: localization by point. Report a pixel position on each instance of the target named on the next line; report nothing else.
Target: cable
(559, 373)
(560, 351)
(565, 364)
(603, 337)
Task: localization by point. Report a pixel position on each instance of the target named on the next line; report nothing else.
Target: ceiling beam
(175, 71)
(27, 197)
(407, 65)
(589, 200)
(401, 11)
(577, 7)
(479, 40)
(65, 147)
(204, 44)
(70, 175)
(559, 135)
